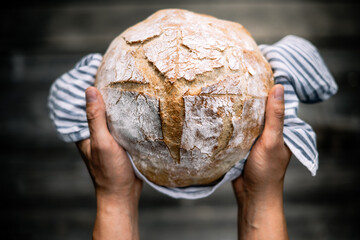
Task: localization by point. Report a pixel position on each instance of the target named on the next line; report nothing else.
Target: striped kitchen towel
(296, 64)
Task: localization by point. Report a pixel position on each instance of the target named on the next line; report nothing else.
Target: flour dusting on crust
(185, 95)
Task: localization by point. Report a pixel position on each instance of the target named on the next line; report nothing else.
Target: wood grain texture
(46, 192)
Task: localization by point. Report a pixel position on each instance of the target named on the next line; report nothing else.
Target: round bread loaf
(185, 95)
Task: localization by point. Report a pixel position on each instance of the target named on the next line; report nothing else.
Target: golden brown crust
(185, 95)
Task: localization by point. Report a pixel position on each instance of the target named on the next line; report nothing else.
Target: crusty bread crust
(185, 95)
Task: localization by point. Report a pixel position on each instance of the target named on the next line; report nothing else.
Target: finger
(274, 115)
(95, 113)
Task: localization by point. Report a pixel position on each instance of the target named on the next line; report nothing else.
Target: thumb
(274, 116)
(95, 113)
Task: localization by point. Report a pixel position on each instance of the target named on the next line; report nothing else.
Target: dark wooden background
(46, 192)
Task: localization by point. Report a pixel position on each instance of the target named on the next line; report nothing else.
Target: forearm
(261, 217)
(116, 219)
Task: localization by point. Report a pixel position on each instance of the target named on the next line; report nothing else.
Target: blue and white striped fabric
(296, 64)
(67, 102)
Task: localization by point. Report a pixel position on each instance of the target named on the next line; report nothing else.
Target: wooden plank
(91, 27)
(304, 222)
(43, 178)
(38, 68)
(48, 193)
(41, 3)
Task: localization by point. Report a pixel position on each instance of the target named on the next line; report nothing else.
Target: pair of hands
(259, 191)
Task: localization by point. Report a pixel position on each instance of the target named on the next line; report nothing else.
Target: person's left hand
(259, 190)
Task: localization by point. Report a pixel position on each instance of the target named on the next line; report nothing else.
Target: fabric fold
(297, 60)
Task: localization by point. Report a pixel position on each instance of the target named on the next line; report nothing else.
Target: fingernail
(90, 95)
(279, 93)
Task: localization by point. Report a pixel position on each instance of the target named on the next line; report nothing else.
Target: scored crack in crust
(185, 95)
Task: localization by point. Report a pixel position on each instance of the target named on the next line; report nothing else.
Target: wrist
(117, 204)
(261, 214)
(263, 191)
(262, 202)
(116, 217)
(128, 193)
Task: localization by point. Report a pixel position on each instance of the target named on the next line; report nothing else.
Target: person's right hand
(259, 190)
(117, 188)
